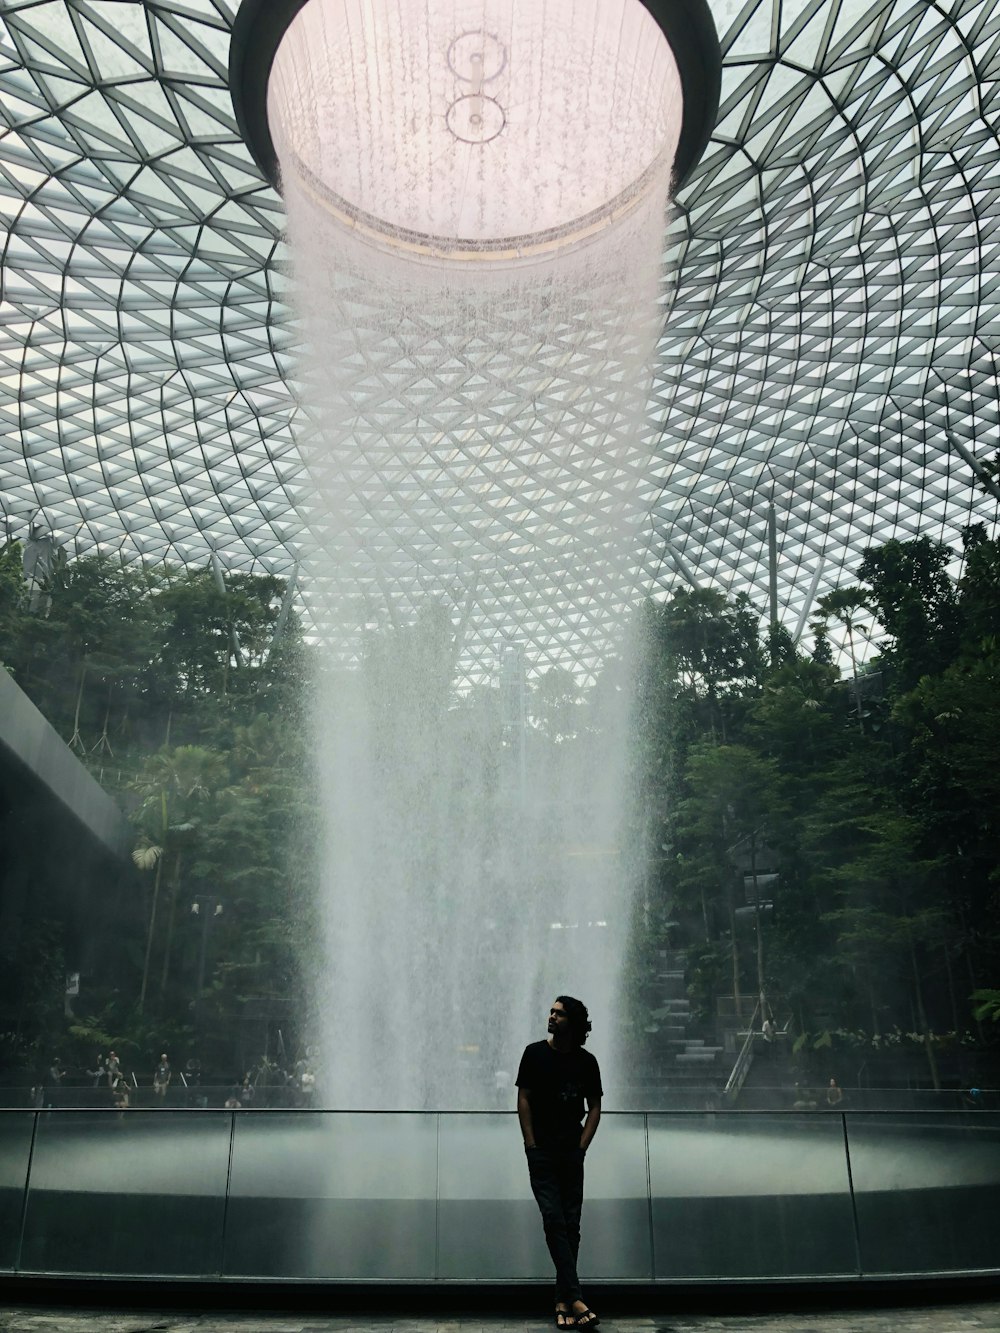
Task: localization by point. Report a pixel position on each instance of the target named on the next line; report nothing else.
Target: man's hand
(590, 1124)
(524, 1116)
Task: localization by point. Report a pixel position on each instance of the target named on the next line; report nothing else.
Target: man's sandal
(586, 1319)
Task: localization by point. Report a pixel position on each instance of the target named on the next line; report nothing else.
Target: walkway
(971, 1318)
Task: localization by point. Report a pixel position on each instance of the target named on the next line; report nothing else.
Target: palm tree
(844, 606)
(174, 785)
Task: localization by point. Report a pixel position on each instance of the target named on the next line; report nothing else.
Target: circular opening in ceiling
(477, 125)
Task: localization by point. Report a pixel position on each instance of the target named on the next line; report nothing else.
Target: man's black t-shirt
(558, 1083)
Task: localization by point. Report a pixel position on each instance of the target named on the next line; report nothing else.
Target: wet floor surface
(976, 1317)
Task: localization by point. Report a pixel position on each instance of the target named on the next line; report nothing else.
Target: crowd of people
(811, 1099)
(270, 1084)
(267, 1083)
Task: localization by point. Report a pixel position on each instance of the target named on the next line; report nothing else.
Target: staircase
(680, 1070)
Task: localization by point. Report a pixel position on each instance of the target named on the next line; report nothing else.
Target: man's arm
(590, 1124)
(524, 1116)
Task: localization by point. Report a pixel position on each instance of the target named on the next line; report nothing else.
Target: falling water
(479, 334)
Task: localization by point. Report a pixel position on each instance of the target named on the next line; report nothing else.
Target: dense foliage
(871, 796)
(183, 695)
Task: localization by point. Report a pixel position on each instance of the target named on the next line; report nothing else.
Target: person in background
(120, 1095)
(804, 1100)
(834, 1095)
(161, 1078)
(54, 1082)
(113, 1069)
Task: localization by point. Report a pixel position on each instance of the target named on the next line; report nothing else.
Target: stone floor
(976, 1317)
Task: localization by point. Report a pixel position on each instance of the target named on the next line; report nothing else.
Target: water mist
(476, 195)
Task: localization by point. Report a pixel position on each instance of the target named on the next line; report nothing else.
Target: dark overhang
(38, 761)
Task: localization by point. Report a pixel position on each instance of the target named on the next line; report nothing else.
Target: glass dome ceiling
(830, 344)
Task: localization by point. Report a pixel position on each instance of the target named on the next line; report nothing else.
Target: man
(161, 1079)
(554, 1080)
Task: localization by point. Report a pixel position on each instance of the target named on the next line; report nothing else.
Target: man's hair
(579, 1019)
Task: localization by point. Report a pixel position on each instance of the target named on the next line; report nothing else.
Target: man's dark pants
(556, 1172)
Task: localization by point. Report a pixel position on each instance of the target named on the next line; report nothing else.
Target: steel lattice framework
(831, 345)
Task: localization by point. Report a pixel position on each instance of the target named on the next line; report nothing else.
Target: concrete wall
(66, 878)
(53, 772)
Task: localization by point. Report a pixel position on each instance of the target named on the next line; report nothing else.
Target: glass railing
(687, 1097)
(424, 1197)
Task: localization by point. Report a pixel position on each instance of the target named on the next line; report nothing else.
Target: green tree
(554, 704)
(83, 659)
(180, 790)
(849, 608)
(915, 600)
(798, 719)
(121, 659)
(886, 920)
(13, 601)
(734, 804)
(711, 645)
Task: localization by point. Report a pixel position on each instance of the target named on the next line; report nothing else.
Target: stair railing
(743, 1061)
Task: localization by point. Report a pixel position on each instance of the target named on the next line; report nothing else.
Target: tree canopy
(867, 801)
(174, 688)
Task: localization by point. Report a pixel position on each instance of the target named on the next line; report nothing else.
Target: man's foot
(564, 1317)
(582, 1317)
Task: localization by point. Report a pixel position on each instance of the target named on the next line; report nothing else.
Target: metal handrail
(744, 1060)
